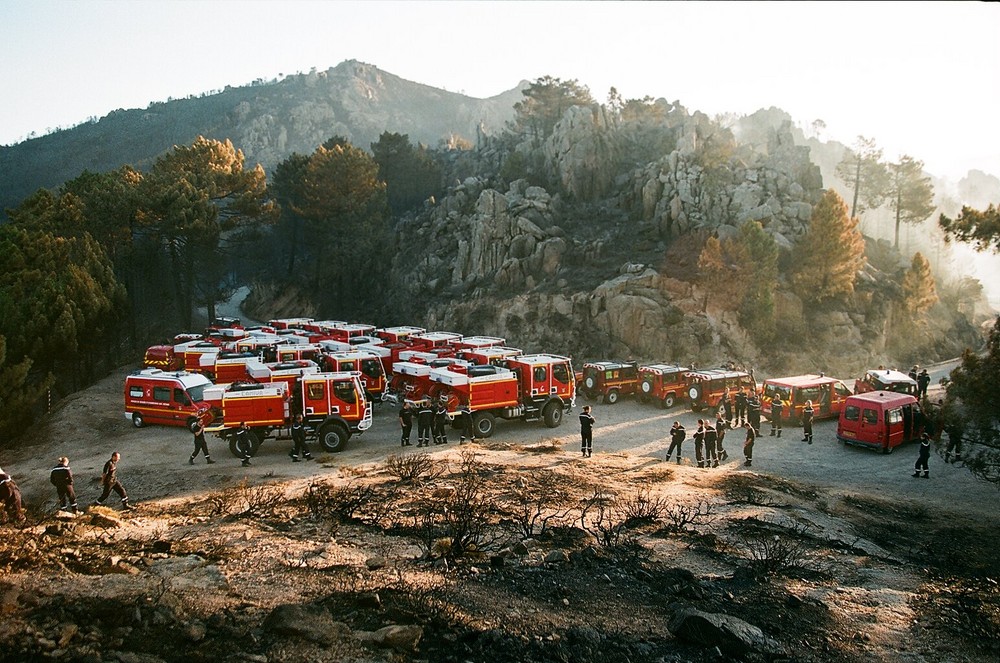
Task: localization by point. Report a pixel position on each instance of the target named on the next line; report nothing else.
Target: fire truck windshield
(197, 394)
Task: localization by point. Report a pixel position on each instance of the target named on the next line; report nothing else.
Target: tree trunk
(857, 189)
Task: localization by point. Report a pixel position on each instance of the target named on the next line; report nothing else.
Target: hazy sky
(920, 77)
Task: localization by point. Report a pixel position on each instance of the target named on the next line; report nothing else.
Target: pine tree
(911, 195)
(755, 254)
(862, 170)
(971, 225)
(715, 275)
(919, 291)
(831, 252)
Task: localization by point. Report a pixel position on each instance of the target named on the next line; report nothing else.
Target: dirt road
(91, 424)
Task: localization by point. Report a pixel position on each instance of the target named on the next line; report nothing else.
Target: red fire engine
(533, 388)
(332, 404)
(473, 342)
(367, 363)
(663, 384)
(289, 323)
(496, 355)
(222, 367)
(398, 334)
(288, 372)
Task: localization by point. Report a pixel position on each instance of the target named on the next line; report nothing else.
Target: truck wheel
(694, 392)
(668, 401)
(552, 414)
(647, 388)
(482, 423)
(589, 383)
(137, 420)
(333, 437)
(611, 397)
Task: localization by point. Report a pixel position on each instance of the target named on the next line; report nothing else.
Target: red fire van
(880, 420)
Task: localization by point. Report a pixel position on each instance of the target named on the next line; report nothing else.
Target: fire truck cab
(175, 398)
(369, 364)
(495, 355)
(663, 384)
(610, 380)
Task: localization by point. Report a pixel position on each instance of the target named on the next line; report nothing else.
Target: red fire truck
(175, 398)
(332, 404)
(473, 342)
(367, 363)
(610, 380)
(533, 388)
(289, 323)
(398, 334)
(496, 355)
(411, 379)
(288, 372)
(663, 384)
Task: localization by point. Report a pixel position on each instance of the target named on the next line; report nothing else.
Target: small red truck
(880, 420)
(610, 380)
(662, 384)
(170, 398)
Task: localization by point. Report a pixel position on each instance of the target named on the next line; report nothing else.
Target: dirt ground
(834, 553)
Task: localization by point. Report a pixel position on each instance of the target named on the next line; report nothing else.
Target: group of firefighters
(740, 409)
(61, 476)
(432, 422)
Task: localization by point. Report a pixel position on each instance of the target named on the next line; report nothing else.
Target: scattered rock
(105, 520)
(375, 563)
(195, 631)
(398, 637)
(556, 556)
(370, 600)
(307, 621)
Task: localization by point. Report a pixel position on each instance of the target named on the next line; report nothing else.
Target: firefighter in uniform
(441, 420)
(753, 413)
(61, 477)
(677, 435)
(720, 434)
(741, 407)
(748, 444)
(727, 405)
(711, 440)
(587, 422)
(468, 431)
(775, 419)
(699, 444)
(109, 479)
(923, 457)
(405, 424)
(243, 444)
(425, 419)
(299, 446)
(200, 446)
(10, 496)
(807, 422)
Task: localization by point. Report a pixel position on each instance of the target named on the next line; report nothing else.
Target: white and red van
(175, 398)
(880, 420)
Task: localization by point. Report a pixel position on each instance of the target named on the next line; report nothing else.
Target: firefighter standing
(61, 477)
(807, 422)
(405, 424)
(741, 406)
(425, 419)
(775, 419)
(299, 446)
(10, 496)
(699, 444)
(200, 446)
(955, 430)
(753, 413)
(922, 459)
(109, 479)
(720, 434)
(244, 447)
(711, 440)
(587, 422)
(441, 419)
(748, 444)
(727, 405)
(468, 430)
(677, 435)
(923, 381)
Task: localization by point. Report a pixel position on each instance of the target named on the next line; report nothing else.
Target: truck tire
(137, 420)
(611, 397)
(668, 401)
(647, 388)
(694, 392)
(552, 414)
(333, 437)
(589, 383)
(254, 444)
(483, 423)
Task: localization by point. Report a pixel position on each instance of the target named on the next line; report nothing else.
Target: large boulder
(308, 621)
(733, 636)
